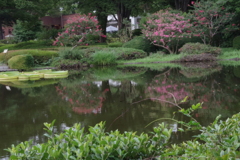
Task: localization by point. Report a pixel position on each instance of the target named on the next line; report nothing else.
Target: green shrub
(47, 34)
(104, 58)
(21, 62)
(28, 45)
(137, 32)
(41, 57)
(236, 42)
(220, 140)
(68, 53)
(58, 61)
(126, 53)
(115, 44)
(140, 43)
(199, 48)
(97, 144)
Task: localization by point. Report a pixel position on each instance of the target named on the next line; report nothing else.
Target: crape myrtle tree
(77, 31)
(210, 18)
(165, 29)
(122, 8)
(29, 10)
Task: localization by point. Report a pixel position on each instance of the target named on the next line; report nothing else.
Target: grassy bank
(154, 58)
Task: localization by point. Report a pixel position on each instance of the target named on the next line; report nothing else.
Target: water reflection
(108, 95)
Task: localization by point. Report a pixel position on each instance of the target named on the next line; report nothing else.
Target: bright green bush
(236, 42)
(140, 43)
(199, 48)
(74, 143)
(21, 62)
(68, 53)
(104, 58)
(126, 53)
(40, 56)
(115, 44)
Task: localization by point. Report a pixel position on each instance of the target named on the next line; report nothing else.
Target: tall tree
(12, 10)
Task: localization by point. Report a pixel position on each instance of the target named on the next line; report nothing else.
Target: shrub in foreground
(220, 140)
(74, 143)
(199, 48)
(21, 62)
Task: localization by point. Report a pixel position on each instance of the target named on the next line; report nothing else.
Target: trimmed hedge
(40, 56)
(115, 44)
(21, 62)
(28, 45)
(199, 48)
(140, 43)
(236, 42)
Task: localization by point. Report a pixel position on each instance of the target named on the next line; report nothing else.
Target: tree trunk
(123, 13)
(182, 5)
(102, 19)
(1, 30)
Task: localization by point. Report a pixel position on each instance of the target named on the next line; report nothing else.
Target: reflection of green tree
(114, 73)
(199, 73)
(236, 71)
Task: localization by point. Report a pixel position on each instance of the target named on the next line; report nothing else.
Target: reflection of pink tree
(167, 90)
(215, 100)
(83, 98)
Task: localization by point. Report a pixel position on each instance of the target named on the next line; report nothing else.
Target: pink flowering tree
(210, 18)
(165, 29)
(79, 30)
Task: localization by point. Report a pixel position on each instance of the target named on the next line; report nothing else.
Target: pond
(127, 98)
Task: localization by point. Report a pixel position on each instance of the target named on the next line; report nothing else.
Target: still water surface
(108, 94)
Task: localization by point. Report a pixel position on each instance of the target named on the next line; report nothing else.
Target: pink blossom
(201, 11)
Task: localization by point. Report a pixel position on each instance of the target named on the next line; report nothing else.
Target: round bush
(199, 48)
(236, 42)
(21, 62)
(140, 43)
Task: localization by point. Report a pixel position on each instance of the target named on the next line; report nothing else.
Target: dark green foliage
(74, 143)
(92, 39)
(25, 31)
(115, 44)
(236, 42)
(21, 62)
(140, 43)
(47, 34)
(136, 32)
(199, 48)
(236, 71)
